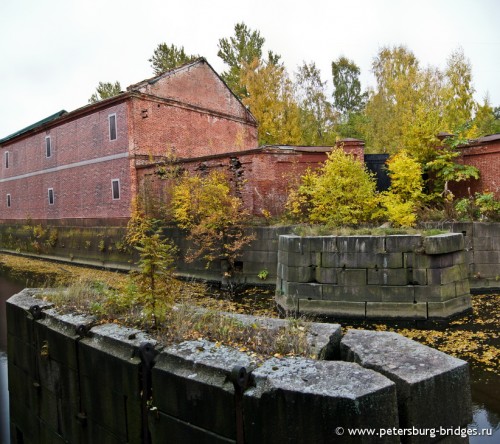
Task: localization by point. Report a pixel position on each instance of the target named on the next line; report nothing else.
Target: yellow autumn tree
(341, 192)
(213, 217)
(405, 194)
(271, 100)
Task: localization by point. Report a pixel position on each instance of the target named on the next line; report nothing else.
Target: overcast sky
(55, 52)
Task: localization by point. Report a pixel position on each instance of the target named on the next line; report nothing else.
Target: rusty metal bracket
(36, 311)
(240, 378)
(147, 353)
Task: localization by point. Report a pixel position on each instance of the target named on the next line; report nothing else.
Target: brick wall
(82, 164)
(485, 156)
(161, 127)
(262, 177)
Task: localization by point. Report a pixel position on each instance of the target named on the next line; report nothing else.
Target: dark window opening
(51, 196)
(48, 147)
(112, 127)
(115, 186)
(8, 200)
(6, 159)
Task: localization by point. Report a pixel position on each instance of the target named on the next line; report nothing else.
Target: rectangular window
(6, 159)
(8, 201)
(115, 188)
(51, 196)
(48, 147)
(112, 126)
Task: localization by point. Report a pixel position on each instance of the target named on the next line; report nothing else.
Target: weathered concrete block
(311, 290)
(436, 261)
(19, 318)
(332, 308)
(395, 293)
(301, 274)
(462, 288)
(487, 257)
(263, 257)
(440, 276)
(435, 292)
(326, 275)
(486, 229)
(419, 276)
(351, 293)
(491, 271)
(191, 383)
(443, 243)
(287, 302)
(387, 276)
(324, 339)
(402, 243)
(362, 260)
(396, 310)
(486, 243)
(424, 377)
(329, 244)
(449, 307)
(351, 277)
(361, 244)
(342, 394)
(306, 259)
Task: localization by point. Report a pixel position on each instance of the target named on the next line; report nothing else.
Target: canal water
(485, 385)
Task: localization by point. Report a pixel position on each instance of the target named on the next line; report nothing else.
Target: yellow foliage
(342, 192)
(405, 193)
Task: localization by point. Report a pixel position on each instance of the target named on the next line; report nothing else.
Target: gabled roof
(34, 125)
(171, 72)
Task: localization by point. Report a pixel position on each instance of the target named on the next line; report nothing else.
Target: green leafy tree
(239, 52)
(341, 192)
(347, 95)
(166, 58)
(316, 114)
(105, 90)
(271, 100)
(213, 218)
(444, 168)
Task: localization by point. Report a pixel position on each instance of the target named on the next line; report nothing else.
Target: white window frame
(51, 196)
(48, 146)
(113, 181)
(6, 159)
(9, 201)
(110, 118)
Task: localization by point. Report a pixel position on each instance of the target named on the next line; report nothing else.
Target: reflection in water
(4, 400)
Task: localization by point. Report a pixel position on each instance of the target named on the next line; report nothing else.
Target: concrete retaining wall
(70, 381)
(482, 252)
(104, 246)
(410, 277)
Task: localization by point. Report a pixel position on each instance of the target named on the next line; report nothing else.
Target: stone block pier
(73, 381)
(384, 277)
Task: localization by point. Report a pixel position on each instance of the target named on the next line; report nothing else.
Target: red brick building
(80, 167)
(262, 176)
(484, 154)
